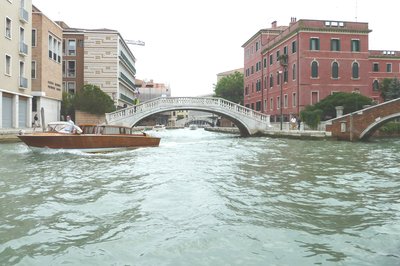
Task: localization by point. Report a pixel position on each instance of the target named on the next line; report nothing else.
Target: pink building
(300, 64)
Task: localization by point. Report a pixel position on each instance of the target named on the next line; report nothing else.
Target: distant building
(46, 71)
(150, 90)
(227, 73)
(300, 64)
(15, 69)
(100, 57)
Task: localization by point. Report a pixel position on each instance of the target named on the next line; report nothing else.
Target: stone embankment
(292, 134)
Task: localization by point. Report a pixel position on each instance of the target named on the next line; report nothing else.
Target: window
(375, 85)
(271, 103)
(71, 69)
(375, 67)
(256, 46)
(34, 38)
(294, 99)
(50, 46)
(265, 82)
(278, 78)
(294, 72)
(335, 70)
(314, 44)
(314, 97)
(294, 47)
(246, 90)
(277, 55)
(285, 75)
(389, 67)
(8, 65)
(71, 47)
(8, 28)
(271, 58)
(314, 69)
(71, 87)
(355, 45)
(265, 104)
(278, 102)
(271, 81)
(285, 101)
(265, 62)
(33, 70)
(355, 70)
(335, 45)
(285, 50)
(258, 106)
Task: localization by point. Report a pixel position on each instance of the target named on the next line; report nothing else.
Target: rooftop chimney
(273, 24)
(292, 21)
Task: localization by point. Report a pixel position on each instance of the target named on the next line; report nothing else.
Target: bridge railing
(181, 103)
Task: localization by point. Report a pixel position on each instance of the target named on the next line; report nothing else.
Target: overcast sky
(188, 42)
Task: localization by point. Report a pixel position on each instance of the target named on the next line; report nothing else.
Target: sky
(188, 42)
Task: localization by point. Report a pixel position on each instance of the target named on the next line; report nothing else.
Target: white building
(15, 64)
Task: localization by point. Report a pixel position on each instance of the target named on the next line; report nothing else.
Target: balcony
(23, 15)
(23, 48)
(128, 81)
(23, 83)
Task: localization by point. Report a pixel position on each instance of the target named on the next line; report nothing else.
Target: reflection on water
(203, 198)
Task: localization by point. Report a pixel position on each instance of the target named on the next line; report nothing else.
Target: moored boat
(93, 138)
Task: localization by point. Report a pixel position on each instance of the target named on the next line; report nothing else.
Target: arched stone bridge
(362, 124)
(248, 121)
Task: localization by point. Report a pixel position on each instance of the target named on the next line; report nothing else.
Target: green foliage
(392, 127)
(230, 88)
(325, 109)
(67, 104)
(390, 89)
(311, 117)
(93, 100)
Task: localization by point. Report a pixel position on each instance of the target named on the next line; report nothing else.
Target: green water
(203, 198)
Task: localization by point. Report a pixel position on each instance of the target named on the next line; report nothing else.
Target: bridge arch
(247, 120)
(369, 131)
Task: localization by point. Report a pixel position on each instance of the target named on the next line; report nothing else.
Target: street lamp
(283, 60)
(280, 98)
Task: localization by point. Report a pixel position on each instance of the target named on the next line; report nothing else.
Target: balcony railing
(128, 81)
(23, 48)
(23, 82)
(23, 15)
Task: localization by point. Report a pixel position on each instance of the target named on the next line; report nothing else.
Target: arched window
(355, 70)
(294, 71)
(314, 69)
(335, 70)
(375, 85)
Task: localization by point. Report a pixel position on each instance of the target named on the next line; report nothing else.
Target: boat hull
(88, 142)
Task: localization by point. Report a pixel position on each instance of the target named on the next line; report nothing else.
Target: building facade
(100, 57)
(15, 67)
(290, 67)
(46, 72)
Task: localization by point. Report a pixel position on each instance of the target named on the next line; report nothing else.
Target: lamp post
(283, 60)
(280, 98)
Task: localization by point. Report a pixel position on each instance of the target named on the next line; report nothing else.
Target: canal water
(203, 198)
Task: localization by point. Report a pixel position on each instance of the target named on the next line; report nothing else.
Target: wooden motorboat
(89, 138)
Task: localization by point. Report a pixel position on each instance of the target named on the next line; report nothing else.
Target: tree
(67, 104)
(390, 89)
(325, 109)
(230, 88)
(93, 100)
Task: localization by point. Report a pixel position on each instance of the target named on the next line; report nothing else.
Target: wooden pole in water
(42, 119)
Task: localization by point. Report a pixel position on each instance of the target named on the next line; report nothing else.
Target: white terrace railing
(162, 104)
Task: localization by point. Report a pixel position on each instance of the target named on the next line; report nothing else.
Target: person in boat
(70, 128)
